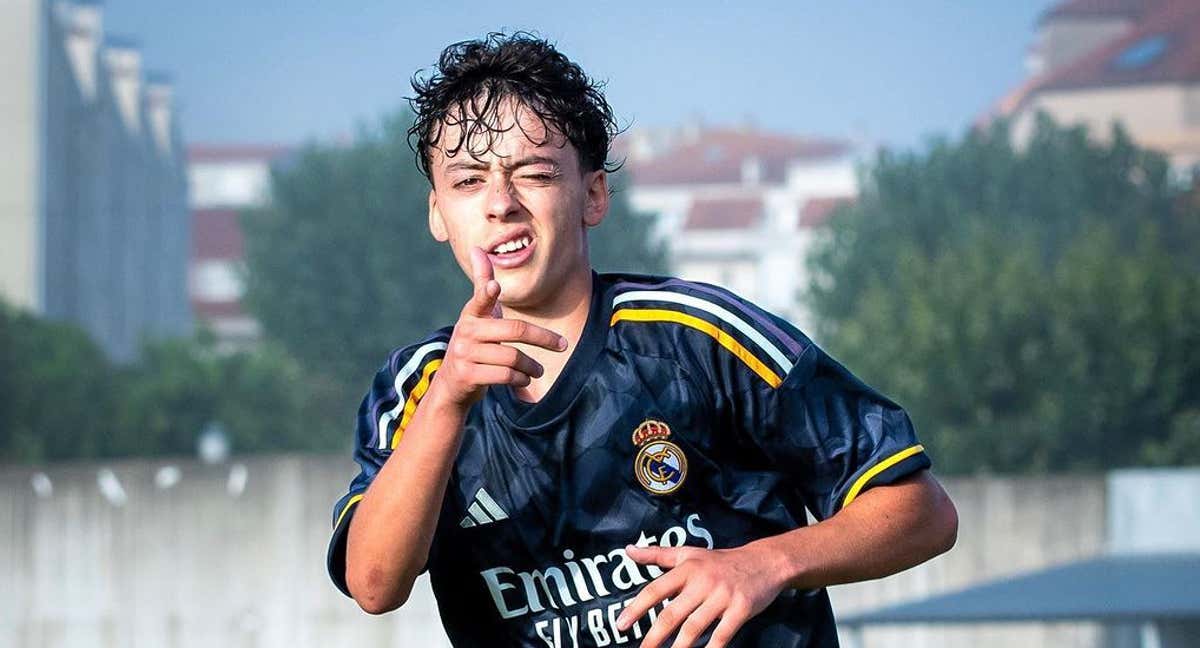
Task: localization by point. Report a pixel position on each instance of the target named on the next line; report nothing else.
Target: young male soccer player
(580, 449)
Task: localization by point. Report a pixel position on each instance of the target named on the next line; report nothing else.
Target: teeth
(512, 246)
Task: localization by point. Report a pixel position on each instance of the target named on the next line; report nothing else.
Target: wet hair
(476, 81)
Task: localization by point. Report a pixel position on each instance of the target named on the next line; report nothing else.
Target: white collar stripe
(413, 365)
(713, 309)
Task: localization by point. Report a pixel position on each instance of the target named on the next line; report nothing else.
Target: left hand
(704, 585)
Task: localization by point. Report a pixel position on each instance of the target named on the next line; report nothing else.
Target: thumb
(483, 278)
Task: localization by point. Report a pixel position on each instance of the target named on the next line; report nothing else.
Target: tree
(341, 267)
(60, 397)
(1033, 308)
(57, 395)
(180, 386)
(625, 241)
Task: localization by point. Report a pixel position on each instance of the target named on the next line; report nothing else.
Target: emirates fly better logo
(660, 465)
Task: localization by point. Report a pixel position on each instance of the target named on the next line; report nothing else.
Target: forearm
(393, 526)
(885, 530)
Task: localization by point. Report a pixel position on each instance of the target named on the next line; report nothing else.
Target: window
(1142, 53)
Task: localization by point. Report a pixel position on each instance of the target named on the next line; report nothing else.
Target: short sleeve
(838, 436)
(808, 416)
(382, 417)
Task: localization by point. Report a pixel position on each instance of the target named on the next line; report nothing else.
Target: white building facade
(742, 208)
(93, 193)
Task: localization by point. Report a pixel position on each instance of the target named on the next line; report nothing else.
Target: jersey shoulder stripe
(412, 380)
(742, 329)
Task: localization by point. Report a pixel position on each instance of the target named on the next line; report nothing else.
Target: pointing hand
(477, 355)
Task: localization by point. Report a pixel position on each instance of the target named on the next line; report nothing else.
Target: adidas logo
(483, 510)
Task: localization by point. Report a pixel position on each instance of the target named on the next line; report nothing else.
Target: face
(527, 205)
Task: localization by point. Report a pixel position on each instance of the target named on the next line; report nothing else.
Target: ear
(597, 198)
(437, 226)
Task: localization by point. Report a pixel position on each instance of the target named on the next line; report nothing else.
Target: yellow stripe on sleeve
(722, 338)
(410, 406)
(866, 477)
(346, 509)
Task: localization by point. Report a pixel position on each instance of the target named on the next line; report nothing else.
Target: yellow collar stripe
(722, 338)
(861, 482)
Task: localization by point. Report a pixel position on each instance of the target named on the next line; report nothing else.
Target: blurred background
(212, 232)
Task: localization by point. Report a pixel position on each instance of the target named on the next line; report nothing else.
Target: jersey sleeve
(382, 417)
(808, 416)
(836, 435)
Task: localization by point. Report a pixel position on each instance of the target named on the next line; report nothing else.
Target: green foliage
(1034, 309)
(624, 242)
(342, 268)
(57, 395)
(61, 399)
(180, 386)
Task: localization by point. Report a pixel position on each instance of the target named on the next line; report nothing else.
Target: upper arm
(383, 414)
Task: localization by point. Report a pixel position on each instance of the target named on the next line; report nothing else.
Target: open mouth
(508, 247)
(513, 252)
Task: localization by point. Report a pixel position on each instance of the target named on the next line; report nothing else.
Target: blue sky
(895, 72)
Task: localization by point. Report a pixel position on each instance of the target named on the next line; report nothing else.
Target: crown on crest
(650, 430)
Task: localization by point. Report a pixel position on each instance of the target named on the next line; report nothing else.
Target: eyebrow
(475, 165)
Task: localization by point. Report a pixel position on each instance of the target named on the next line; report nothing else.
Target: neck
(566, 315)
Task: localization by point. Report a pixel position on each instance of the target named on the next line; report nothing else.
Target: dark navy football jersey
(684, 416)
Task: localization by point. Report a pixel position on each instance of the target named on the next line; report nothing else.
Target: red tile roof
(724, 214)
(236, 152)
(716, 156)
(816, 211)
(216, 234)
(1176, 21)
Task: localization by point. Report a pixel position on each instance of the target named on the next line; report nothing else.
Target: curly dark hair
(475, 80)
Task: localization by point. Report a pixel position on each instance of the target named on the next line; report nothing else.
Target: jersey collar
(575, 372)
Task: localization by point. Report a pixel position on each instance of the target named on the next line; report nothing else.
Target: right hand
(476, 355)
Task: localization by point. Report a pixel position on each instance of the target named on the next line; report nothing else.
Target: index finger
(483, 278)
(668, 557)
(514, 330)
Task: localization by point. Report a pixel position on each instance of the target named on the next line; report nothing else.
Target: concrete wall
(202, 563)
(189, 566)
(1151, 511)
(1006, 526)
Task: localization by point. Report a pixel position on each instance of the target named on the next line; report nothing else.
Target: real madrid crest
(660, 465)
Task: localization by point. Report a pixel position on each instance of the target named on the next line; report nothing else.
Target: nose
(501, 203)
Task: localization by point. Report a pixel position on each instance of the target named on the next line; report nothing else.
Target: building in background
(1133, 61)
(225, 180)
(740, 207)
(93, 196)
